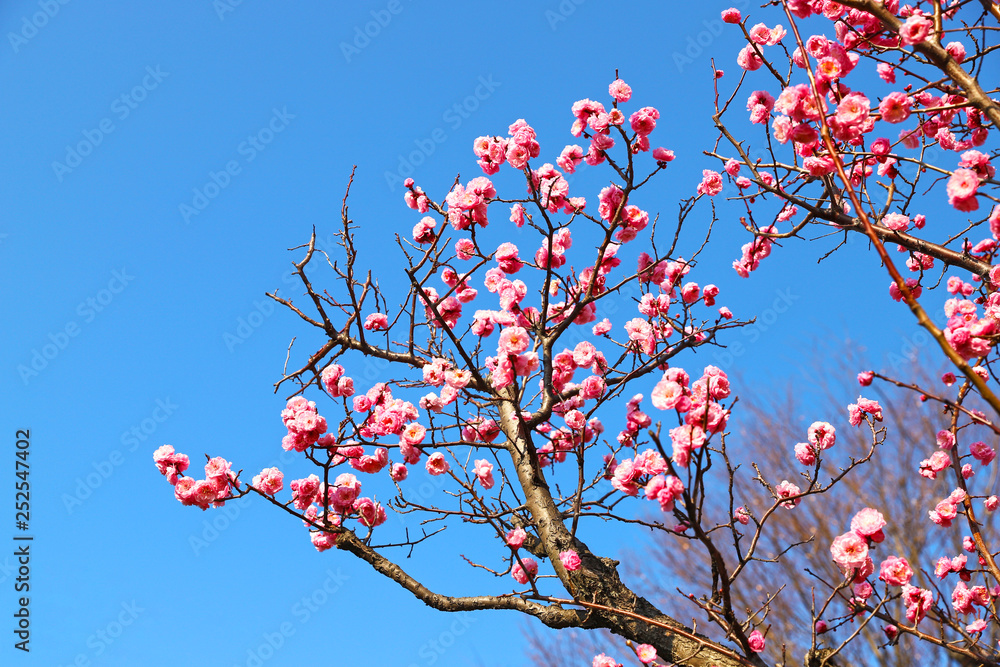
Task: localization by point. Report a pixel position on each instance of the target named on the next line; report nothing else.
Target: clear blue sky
(128, 304)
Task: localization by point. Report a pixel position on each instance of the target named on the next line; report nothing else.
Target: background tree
(769, 427)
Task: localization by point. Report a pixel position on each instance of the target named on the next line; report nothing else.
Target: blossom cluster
(204, 493)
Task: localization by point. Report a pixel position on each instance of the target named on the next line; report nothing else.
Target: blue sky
(156, 162)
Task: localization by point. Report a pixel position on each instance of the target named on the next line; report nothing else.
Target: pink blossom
(377, 322)
(322, 540)
(513, 340)
(711, 183)
(982, 452)
(332, 376)
(423, 231)
(522, 575)
(976, 626)
(169, 463)
(516, 537)
(895, 107)
(644, 120)
(436, 464)
(620, 90)
(398, 472)
(370, 513)
(731, 15)
(956, 50)
(937, 462)
(865, 378)
(624, 478)
(646, 653)
(756, 641)
(805, 453)
(506, 257)
(962, 188)
(869, 523)
(484, 472)
(748, 58)
(915, 29)
(863, 406)
(786, 490)
(603, 660)
(269, 481)
(570, 560)
(663, 155)
(667, 395)
(345, 491)
(897, 222)
(371, 463)
(685, 439)
(822, 434)
(610, 200)
(849, 551)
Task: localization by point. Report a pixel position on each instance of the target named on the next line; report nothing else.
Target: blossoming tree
(509, 405)
(659, 564)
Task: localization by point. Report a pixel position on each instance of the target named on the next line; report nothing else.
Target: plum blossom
(711, 183)
(269, 481)
(436, 464)
(895, 571)
(786, 490)
(570, 560)
(523, 574)
(849, 551)
(915, 29)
